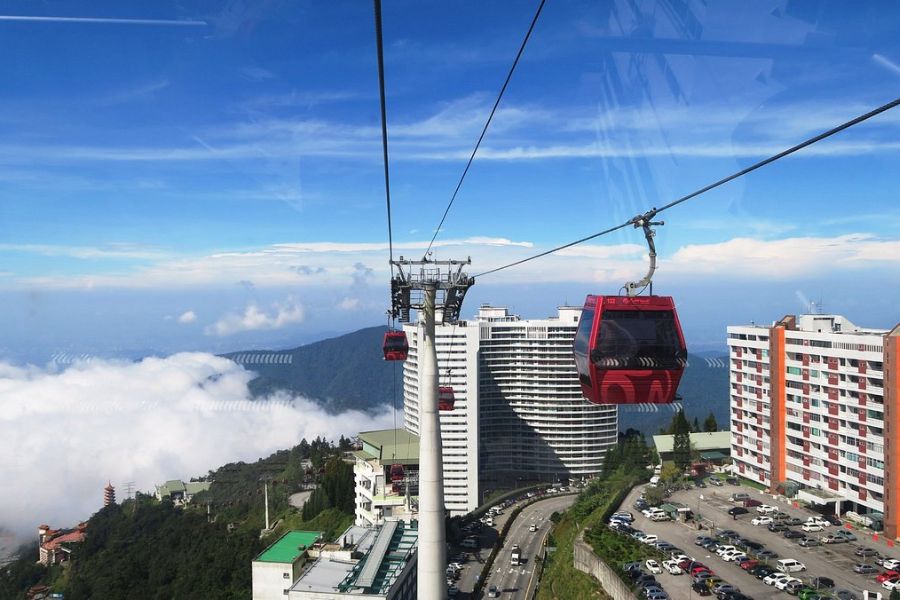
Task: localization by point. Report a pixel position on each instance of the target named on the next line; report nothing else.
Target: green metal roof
(391, 445)
(716, 440)
(289, 547)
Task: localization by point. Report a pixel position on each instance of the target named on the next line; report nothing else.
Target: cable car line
(384, 137)
(649, 215)
(486, 124)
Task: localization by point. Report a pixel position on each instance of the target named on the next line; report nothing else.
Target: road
(517, 582)
(833, 561)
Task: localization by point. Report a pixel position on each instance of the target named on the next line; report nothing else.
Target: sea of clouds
(65, 432)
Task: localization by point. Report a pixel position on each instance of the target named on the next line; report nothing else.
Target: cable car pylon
(429, 286)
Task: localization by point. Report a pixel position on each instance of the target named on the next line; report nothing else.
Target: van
(740, 497)
(789, 565)
(469, 543)
(659, 516)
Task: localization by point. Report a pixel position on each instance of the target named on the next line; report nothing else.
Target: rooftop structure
(378, 497)
(109, 494)
(289, 547)
(55, 544)
(180, 492)
(279, 565)
(372, 562)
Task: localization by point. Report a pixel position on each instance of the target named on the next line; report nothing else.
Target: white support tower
(432, 293)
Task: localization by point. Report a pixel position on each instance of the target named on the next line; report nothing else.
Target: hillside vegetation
(147, 549)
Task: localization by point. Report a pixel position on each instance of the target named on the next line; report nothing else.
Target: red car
(752, 502)
(887, 575)
(748, 564)
(700, 568)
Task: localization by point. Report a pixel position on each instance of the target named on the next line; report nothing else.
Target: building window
(287, 575)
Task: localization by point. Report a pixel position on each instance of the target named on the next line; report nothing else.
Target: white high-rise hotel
(814, 401)
(519, 410)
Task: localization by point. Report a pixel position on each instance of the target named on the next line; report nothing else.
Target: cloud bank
(64, 434)
(255, 319)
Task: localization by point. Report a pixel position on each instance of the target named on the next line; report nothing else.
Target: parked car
(818, 521)
(760, 571)
(776, 527)
(833, 520)
(761, 521)
(782, 584)
(493, 592)
(890, 563)
(834, 539)
(793, 587)
(740, 497)
(773, 578)
(864, 569)
(701, 589)
(672, 567)
(750, 502)
(808, 542)
(811, 527)
(845, 595)
(766, 555)
(792, 521)
(653, 567)
(748, 564)
(737, 511)
(863, 551)
(887, 575)
(846, 534)
(821, 582)
(716, 481)
(765, 509)
(793, 534)
(732, 481)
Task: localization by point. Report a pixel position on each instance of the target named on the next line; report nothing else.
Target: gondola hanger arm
(645, 221)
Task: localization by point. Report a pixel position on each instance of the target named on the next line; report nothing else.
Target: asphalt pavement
(516, 582)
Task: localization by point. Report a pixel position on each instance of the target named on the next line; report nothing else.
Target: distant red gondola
(446, 398)
(395, 345)
(629, 350)
(397, 473)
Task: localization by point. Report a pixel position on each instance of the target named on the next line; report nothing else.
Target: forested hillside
(147, 549)
(346, 372)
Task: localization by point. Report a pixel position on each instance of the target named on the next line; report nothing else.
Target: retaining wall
(588, 562)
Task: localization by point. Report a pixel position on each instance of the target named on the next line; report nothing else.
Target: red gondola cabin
(397, 473)
(395, 345)
(629, 350)
(446, 399)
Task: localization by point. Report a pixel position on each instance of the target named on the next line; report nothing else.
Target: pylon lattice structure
(429, 287)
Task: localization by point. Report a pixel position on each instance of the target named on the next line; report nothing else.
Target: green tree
(695, 426)
(711, 425)
(669, 473)
(681, 448)
(895, 594)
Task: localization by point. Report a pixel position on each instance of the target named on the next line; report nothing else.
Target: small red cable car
(395, 345)
(629, 350)
(446, 398)
(397, 473)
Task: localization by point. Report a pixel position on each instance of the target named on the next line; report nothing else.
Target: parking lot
(834, 560)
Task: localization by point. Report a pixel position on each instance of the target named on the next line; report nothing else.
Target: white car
(731, 555)
(650, 538)
(532, 527)
(890, 563)
(765, 509)
(891, 585)
(818, 521)
(761, 521)
(723, 549)
(775, 578)
(782, 584)
(680, 557)
(653, 567)
(810, 527)
(672, 567)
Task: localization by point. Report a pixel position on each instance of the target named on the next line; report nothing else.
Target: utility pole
(428, 290)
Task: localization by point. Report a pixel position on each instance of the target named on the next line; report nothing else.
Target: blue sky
(207, 176)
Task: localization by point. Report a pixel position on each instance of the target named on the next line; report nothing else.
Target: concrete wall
(588, 562)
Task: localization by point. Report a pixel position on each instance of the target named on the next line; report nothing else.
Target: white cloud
(255, 319)
(349, 304)
(187, 317)
(64, 434)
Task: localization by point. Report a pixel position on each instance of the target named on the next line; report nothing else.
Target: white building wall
(272, 580)
(518, 402)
